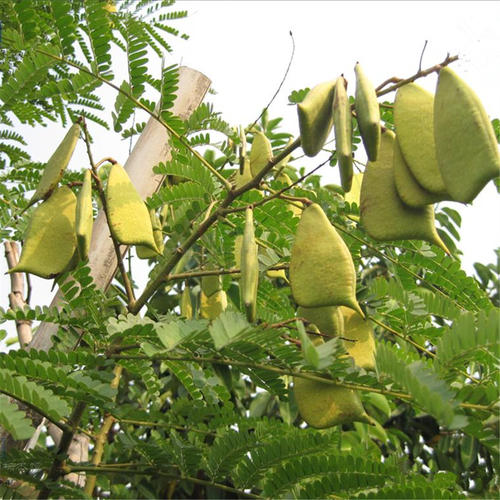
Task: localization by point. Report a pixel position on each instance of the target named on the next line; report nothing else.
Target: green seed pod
(129, 219)
(324, 405)
(414, 122)
(409, 190)
(342, 123)
(84, 216)
(466, 146)
(327, 319)
(186, 304)
(367, 113)
(211, 307)
(316, 117)
(143, 252)
(360, 343)
(50, 240)
(249, 267)
(321, 268)
(56, 165)
(383, 214)
(261, 153)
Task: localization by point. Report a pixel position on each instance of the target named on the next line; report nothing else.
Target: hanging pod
(342, 123)
(56, 165)
(249, 267)
(327, 319)
(321, 268)
(84, 216)
(50, 240)
(144, 252)
(414, 123)
(240, 179)
(359, 340)
(324, 405)
(383, 214)
(409, 190)
(367, 113)
(211, 307)
(466, 146)
(316, 117)
(186, 304)
(261, 152)
(129, 219)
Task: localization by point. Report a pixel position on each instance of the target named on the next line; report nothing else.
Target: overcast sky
(245, 47)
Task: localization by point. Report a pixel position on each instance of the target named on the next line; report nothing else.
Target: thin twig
(421, 57)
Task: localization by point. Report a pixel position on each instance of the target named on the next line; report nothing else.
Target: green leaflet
(260, 154)
(316, 117)
(56, 165)
(383, 214)
(414, 122)
(129, 219)
(84, 216)
(342, 124)
(249, 267)
(50, 240)
(367, 113)
(466, 146)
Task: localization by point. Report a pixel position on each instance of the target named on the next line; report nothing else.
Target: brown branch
(16, 296)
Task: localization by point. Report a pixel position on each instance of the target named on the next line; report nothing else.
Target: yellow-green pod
(211, 284)
(367, 113)
(316, 117)
(211, 307)
(414, 122)
(322, 271)
(128, 216)
(50, 240)
(144, 252)
(323, 405)
(84, 216)
(186, 304)
(249, 267)
(342, 123)
(466, 146)
(56, 164)
(383, 214)
(327, 319)
(409, 190)
(359, 340)
(261, 152)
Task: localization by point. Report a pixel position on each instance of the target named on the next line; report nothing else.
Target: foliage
(190, 407)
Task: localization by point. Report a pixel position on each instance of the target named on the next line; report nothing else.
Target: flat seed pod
(466, 146)
(211, 307)
(245, 177)
(249, 267)
(409, 190)
(361, 343)
(414, 122)
(56, 164)
(211, 284)
(342, 123)
(186, 304)
(144, 252)
(261, 153)
(367, 113)
(327, 319)
(129, 219)
(84, 216)
(316, 117)
(324, 405)
(50, 240)
(383, 214)
(321, 268)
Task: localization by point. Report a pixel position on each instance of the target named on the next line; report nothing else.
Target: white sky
(244, 48)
